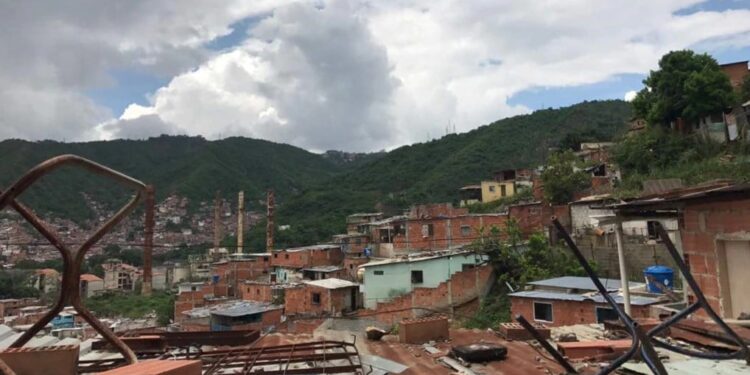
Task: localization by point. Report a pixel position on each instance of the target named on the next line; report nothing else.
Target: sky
(332, 74)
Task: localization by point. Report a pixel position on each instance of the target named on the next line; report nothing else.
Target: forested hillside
(433, 171)
(314, 192)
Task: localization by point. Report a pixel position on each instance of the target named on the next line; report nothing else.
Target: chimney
(217, 222)
(148, 240)
(270, 207)
(240, 221)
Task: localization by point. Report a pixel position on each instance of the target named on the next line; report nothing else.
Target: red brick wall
(566, 313)
(256, 292)
(464, 287)
(233, 273)
(307, 258)
(702, 222)
(298, 301)
(422, 330)
(351, 264)
(446, 231)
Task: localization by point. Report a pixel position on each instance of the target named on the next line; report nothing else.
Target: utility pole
(623, 266)
(217, 222)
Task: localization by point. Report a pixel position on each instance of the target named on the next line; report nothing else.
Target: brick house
(288, 263)
(233, 316)
(322, 298)
(573, 300)
(713, 230)
(431, 227)
(228, 275)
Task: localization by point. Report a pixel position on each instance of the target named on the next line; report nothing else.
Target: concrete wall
(492, 190)
(396, 277)
(462, 288)
(639, 254)
(567, 312)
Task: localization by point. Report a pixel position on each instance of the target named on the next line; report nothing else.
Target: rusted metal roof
(522, 357)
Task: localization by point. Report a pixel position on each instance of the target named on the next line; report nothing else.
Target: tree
(686, 85)
(561, 179)
(745, 89)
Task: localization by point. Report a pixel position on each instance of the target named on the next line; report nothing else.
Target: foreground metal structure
(644, 342)
(72, 258)
(319, 357)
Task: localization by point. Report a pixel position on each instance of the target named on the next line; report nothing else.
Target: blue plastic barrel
(661, 274)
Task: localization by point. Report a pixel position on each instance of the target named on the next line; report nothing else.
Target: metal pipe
(72, 260)
(555, 354)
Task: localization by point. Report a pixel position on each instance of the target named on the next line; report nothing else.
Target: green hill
(314, 192)
(189, 166)
(433, 171)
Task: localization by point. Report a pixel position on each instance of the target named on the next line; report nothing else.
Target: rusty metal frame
(72, 258)
(267, 360)
(645, 341)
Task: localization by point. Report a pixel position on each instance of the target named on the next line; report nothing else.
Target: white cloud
(630, 95)
(353, 75)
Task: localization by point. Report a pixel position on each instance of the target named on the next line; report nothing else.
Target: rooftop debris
(480, 352)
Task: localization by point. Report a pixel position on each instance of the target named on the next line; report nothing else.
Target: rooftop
(232, 309)
(332, 283)
(311, 247)
(323, 269)
(580, 283)
(580, 297)
(420, 257)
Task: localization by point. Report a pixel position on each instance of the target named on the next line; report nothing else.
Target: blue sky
(332, 74)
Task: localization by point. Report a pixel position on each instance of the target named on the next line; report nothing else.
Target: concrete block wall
(639, 255)
(422, 330)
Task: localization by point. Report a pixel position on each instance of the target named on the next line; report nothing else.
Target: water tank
(660, 274)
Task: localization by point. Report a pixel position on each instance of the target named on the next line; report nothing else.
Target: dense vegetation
(515, 265)
(314, 192)
(686, 85)
(433, 171)
(657, 153)
(133, 305)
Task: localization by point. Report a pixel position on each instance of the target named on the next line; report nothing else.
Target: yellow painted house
(486, 191)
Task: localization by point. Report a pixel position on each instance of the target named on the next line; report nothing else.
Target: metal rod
(741, 353)
(623, 267)
(148, 240)
(558, 357)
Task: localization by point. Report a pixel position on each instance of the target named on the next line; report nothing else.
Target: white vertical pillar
(623, 266)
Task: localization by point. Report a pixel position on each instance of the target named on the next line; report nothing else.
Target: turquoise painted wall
(396, 277)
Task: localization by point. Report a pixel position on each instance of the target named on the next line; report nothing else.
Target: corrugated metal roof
(323, 269)
(659, 186)
(597, 298)
(241, 308)
(332, 283)
(579, 282)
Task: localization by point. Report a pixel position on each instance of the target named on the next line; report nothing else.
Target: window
(257, 291)
(492, 189)
(651, 228)
(275, 255)
(465, 230)
(605, 313)
(467, 266)
(286, 256)
(427, 230)
(316, 298)
(417, 277)
(543, 311)
(379, 273)
(265, 259)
